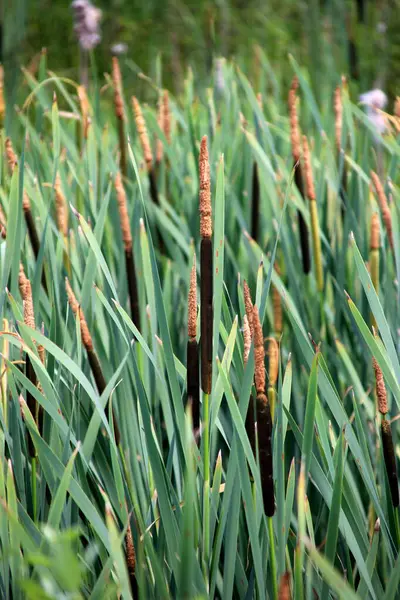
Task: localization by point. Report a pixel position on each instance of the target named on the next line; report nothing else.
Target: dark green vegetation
(72, 477)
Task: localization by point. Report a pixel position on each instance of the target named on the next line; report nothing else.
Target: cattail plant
(374, 255)
(386, 432)
(310, 192)
(250, 416)
(248, 305)
(62, 219)
(206, 269)
(91, 353)
(128, 247)
(383, 203)
(131, 559)
(146, 148)
(296, 153)
(85, 110)
(273, 355)
(120, 114)
(12, 161)
(264, 420)
(193, 383)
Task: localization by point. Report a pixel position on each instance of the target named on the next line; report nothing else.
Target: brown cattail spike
(142, 131)
(166, 116)
(284, 587)
(273, 354)
(386, 215)
(380, 388)
(123, 212)
(338, 109)
(259, 371)
(85, 109)
(248, 305)
(61, 207)
(192, 303)
(246, 339)
(205, 191)
(117, 81)
(294, 121)
(375, 231)
(78, 312)
(264, 430)
(130, 555)
(11, 156)
(160, 122)
(310, 189)
(390, 461)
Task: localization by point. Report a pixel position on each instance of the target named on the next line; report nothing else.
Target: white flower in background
(219, 75)
(86, 23)
(118, 49)
(375, 101)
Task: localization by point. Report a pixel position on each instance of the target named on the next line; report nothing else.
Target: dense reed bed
(226, 427)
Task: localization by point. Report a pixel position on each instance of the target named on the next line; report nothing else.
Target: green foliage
(195, 510)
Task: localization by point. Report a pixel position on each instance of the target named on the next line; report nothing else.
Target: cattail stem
(255, 207)
(390, 461)
(101, 386)
(310, 191)
(206, 486)
(206, 312)
(272, 557)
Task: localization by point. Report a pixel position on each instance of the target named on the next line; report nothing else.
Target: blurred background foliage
(360, 38)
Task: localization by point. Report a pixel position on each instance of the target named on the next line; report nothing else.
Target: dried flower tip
(375, 230)
(259, 372)
(61, 207)
(246, 339)
(273, 353)
(338, 108)
(380, 388)
(78, 312)
(294, 121)
(205, 191)
(160, 122)
(130, 552)
(166, 116)
(11, 156)
(142, 131)
(310, 190)
(192, 303)
(123, 212)
(29, 315)
(85, 109)
(386, 215)
(117, 81)
(284, 587)
(248, 305)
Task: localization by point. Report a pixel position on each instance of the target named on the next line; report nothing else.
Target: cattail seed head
(192, 303)
(85, 109)
(380, 388)
(117, 81)
(284, 587)
(273, 354)
(61, 207)
(26, 294)
(310, 190)
(390, 461)
(142, 131)
(166, 116)
(294, 121)
(248, 305)
(10, 154)
(205, 191)
(160, 122)
(375, 230)
(259, 371)
(338, 109)
(130, 553)
(246, 339)
(78, 312)
(26, 203)
(123, 212)
(386, 215)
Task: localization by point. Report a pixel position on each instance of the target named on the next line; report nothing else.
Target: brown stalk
(206, 268)
(29, 320)
(296, 153)
(120, 114)
(383, 203)
(128, 246)
(264, 419)
(193, 383)
(88, 344)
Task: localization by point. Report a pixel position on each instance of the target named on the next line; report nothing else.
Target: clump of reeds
(310, 192)
(29, 320)
(296, 154)
(120, 114)
(91, 353)
(264, 420)
(206, 268)
(383, 203)
(192, 361)
(386, 433)
(128, 247)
